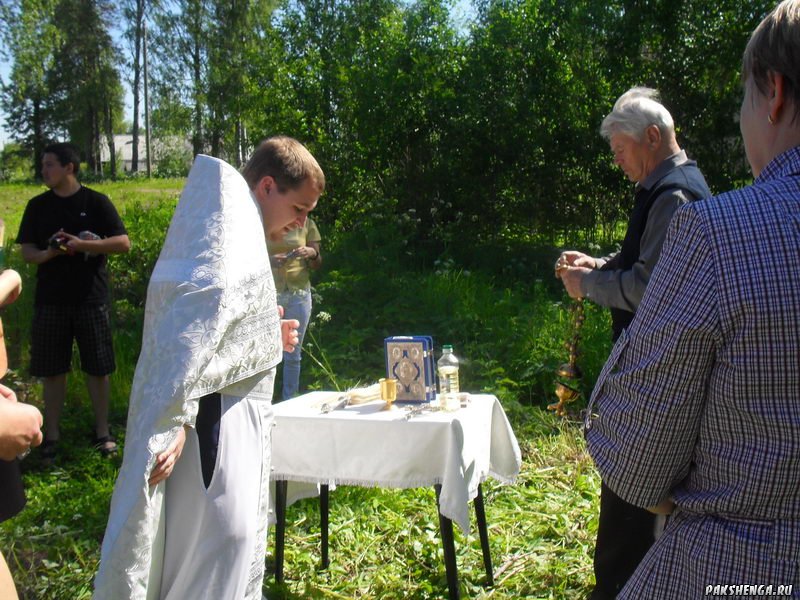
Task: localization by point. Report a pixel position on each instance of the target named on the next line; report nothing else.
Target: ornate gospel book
(409, 360)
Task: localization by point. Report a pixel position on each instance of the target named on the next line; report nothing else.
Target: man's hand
(277, 260)
(165, 462)
(289, 334)
(20, 425)
(73, 243)
(59, 243)
(572, 276)
(306, 252)
(93, 244)
(573, 258)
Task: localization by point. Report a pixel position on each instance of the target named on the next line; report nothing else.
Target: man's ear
(775, 95)
(264, 185)
(653, 135)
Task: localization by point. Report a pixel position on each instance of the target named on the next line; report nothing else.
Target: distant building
(161, 148)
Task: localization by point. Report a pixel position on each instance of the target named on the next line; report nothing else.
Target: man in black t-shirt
(67, 232)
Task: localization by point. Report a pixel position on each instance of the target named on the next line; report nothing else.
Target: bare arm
(315, 262)
(31, 254)
(116, 244)
(10, 286)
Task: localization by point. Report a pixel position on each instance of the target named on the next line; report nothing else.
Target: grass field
(508, 328)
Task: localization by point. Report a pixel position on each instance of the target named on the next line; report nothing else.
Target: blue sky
(4, 69)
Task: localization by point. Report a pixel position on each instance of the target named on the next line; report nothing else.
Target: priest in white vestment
(189, 510)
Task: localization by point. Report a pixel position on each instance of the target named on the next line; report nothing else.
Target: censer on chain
(569, 374)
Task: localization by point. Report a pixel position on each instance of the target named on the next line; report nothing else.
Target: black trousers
(624, 535)
(209, 415)
(12, 494)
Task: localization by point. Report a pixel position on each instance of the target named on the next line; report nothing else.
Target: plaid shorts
(54, 329)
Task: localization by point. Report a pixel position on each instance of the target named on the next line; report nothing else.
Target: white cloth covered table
(366, 446)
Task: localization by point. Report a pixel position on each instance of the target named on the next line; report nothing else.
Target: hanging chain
(569, 374)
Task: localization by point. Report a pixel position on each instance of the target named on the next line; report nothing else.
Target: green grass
(508, 329)
(14, 196)
(385, 543)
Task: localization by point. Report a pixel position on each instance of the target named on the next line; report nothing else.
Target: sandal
(49, 451)
(106, 445)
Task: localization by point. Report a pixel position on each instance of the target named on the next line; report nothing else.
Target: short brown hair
(287, 161)
(775, 47)
(67, 154)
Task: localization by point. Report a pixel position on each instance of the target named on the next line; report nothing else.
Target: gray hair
(635, 111)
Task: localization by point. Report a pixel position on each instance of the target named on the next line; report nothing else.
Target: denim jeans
(296, 305)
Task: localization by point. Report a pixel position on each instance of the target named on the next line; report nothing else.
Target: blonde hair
(775, 46)
(635, 111)
(287, 161)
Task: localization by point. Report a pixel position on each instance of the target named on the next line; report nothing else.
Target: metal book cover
(409, 360)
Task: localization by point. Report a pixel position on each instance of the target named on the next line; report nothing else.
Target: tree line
(437, 129)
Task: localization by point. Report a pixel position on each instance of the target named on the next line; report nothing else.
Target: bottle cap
(447, 347)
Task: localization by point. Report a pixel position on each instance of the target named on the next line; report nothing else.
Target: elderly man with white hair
(641, 134)
(697, 405)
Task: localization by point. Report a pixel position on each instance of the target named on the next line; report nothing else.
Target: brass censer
(569, 373)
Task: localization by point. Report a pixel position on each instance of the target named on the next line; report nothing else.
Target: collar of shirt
(785, 164)
(662, 169)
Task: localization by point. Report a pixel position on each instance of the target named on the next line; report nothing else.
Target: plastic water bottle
(447, 365)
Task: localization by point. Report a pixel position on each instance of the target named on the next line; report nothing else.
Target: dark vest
(687, 178)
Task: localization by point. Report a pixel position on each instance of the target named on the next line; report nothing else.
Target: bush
(173, 159)
(15, 163)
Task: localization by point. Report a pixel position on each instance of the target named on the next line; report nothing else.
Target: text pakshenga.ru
(749, 590)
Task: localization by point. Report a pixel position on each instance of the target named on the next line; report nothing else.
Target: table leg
(448, 543)
(480, 515)
(280, 527)
(324, 491)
